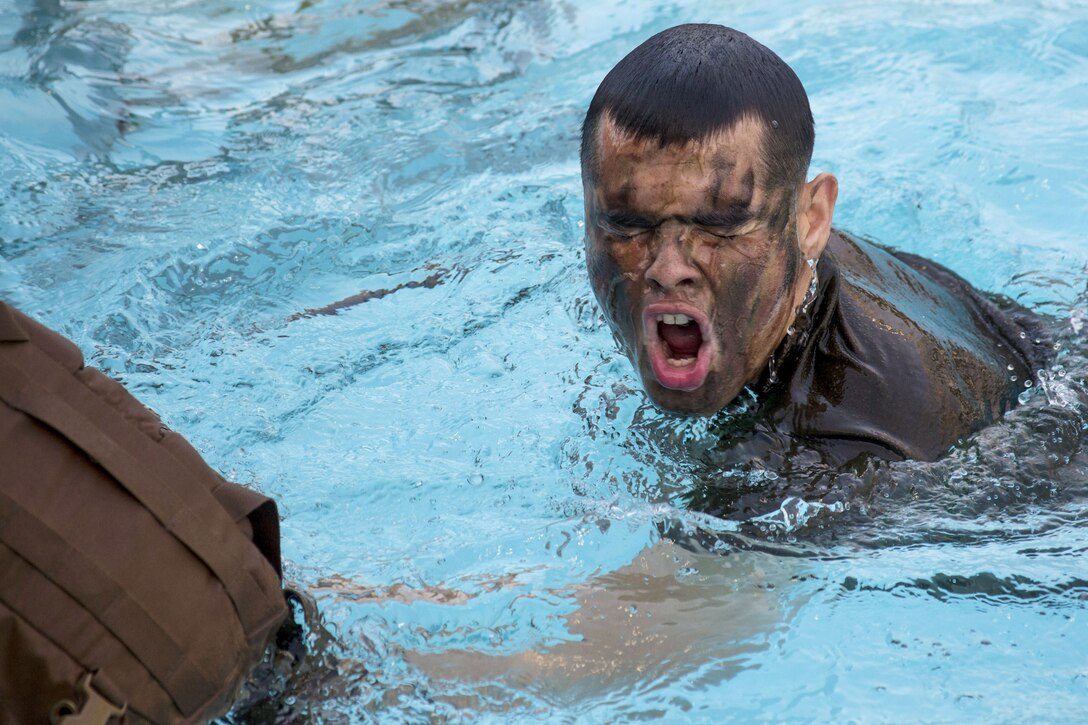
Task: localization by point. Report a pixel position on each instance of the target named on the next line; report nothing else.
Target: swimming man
(716, 265)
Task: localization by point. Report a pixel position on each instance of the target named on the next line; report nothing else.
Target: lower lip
(687, 377)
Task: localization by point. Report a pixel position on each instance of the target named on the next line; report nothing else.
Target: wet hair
(690, 81)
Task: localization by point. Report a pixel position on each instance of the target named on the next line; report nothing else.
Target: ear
(816, 205)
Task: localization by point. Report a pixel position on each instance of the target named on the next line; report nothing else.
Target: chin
(698, 402)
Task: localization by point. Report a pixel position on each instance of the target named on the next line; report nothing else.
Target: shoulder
(898, 361)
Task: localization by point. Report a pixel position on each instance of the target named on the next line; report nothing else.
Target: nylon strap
(51, 563)
(150, 474)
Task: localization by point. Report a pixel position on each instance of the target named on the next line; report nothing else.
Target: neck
(799, 328)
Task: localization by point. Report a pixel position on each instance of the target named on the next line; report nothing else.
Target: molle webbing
(121, 552)
(68, 573)
(190, 512)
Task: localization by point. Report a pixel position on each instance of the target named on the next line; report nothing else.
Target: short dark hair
(689, 81)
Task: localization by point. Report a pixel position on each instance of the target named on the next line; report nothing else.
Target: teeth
(680, 362)
(674, 319)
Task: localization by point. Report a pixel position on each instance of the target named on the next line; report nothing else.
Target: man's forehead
(739, 143)
(722, 170)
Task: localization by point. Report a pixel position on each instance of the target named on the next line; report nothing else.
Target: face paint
(693, 259)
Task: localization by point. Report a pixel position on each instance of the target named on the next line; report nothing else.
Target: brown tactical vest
(135, 583)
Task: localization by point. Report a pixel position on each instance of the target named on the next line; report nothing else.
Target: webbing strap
(150, 474)
(48, 555)
(244, 503)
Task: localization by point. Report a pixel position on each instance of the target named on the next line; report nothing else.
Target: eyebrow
(629, 220)
(737, 215)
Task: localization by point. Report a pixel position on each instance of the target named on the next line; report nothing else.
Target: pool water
(474, 489)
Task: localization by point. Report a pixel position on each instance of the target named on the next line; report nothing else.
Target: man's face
(693, 255)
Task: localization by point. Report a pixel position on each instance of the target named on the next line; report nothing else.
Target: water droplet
(1009, 367)
(1024, 397)
(476, 479)
(774, 124)
(1012, 378)
(1023, 335)
(1028, 383)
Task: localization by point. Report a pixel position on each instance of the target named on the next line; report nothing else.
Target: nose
(672, 268)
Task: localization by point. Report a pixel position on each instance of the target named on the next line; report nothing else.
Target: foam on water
(475, 491)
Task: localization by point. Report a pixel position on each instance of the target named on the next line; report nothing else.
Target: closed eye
(726, 233)
(625, 226)
(724, 226)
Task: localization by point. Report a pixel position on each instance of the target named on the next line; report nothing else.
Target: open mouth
(676, 339)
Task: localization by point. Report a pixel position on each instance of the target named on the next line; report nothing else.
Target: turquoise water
(473, 486)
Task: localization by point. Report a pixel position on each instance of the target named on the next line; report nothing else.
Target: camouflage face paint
(693, 257)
